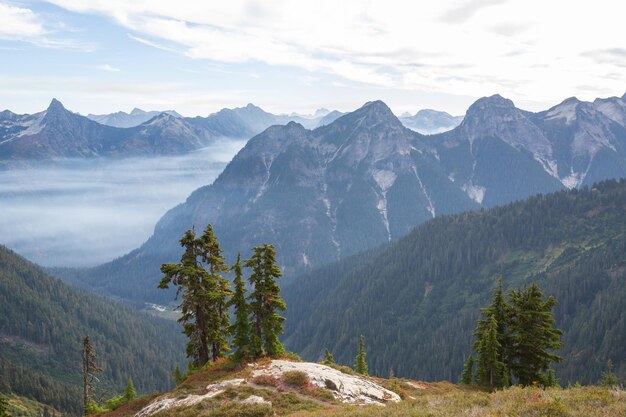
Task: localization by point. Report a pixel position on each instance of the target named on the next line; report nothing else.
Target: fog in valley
(86, 212)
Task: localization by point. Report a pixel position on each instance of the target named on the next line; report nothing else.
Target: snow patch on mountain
(384, 178)
(430, 207)
(475, 192)
(565, 110)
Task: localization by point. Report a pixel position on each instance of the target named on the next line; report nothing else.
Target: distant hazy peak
(136, 111)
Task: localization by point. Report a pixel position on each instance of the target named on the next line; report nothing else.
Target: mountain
(365, 179)
(317, 195)
(59, 133)
(429, 122)
(43, 322)
(416, 300)
(132, 119)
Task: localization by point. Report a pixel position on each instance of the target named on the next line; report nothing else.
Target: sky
(196, 57)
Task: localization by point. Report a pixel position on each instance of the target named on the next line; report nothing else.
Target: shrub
(266, 381)
(296, 378)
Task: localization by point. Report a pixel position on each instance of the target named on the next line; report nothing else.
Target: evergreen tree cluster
(515, 340)
(207, 297)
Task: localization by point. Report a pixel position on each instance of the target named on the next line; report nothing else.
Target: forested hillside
(42, 324)
(416, 300)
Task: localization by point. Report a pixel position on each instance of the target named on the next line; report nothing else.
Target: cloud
(22, 24)
(468, 10)
(47, 207)
(108, 68)
(388, 44)
(17, 23)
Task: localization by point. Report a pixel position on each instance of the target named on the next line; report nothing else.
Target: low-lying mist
(86, 212)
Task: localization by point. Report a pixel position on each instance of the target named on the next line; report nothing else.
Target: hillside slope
(43, 322)
(416, 300)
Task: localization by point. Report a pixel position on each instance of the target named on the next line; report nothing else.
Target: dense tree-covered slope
(42, 324)
(416, 300)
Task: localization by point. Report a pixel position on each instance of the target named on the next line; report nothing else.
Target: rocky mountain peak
(55, 106)
(136, 111)
(624, 97)
(491, 104)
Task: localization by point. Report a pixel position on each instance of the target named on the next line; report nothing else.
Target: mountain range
(365, 179)
(417, 300)
(60, 133)
(132, 119)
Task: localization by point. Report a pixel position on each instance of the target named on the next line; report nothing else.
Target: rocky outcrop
(349, 389)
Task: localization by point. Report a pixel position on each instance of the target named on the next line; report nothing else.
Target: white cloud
(22, 24)
(17, 23)
(482, 46)
(108, 68)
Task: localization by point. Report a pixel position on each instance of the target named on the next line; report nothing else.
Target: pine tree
(609, 377)
(205, 294)
(490, 371)
(328, 358)
(501, 311)
(90, 369)
(468, 371)
(218, 293)
(129, 392)
(241, 328)
(177, 375)
(265, 302)
(360, 365)
(4, 405)
(533, 335)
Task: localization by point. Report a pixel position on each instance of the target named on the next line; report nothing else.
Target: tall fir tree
(219, 292)
(177, 376)
(360, 364)
(266, 302)
(490, 371)
(205, 294)
(467, 376)
(240, 329)
(501, 311)
(534, 339)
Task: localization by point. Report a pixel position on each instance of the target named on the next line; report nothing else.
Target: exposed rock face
(165, 403)
(350, 389)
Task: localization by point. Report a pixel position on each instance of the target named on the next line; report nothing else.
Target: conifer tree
(490, 371)
(241, 328)
(129, 392)
(468, 371)
(177, 375)
(501, 311)
(609, 377)
(328, 358)
(360, 364)
(219, 292)
(205, 295)
(90, 369)
(533, 336)
(265, 302)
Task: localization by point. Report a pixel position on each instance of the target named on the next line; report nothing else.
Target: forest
(43, 322)
(416, 300)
